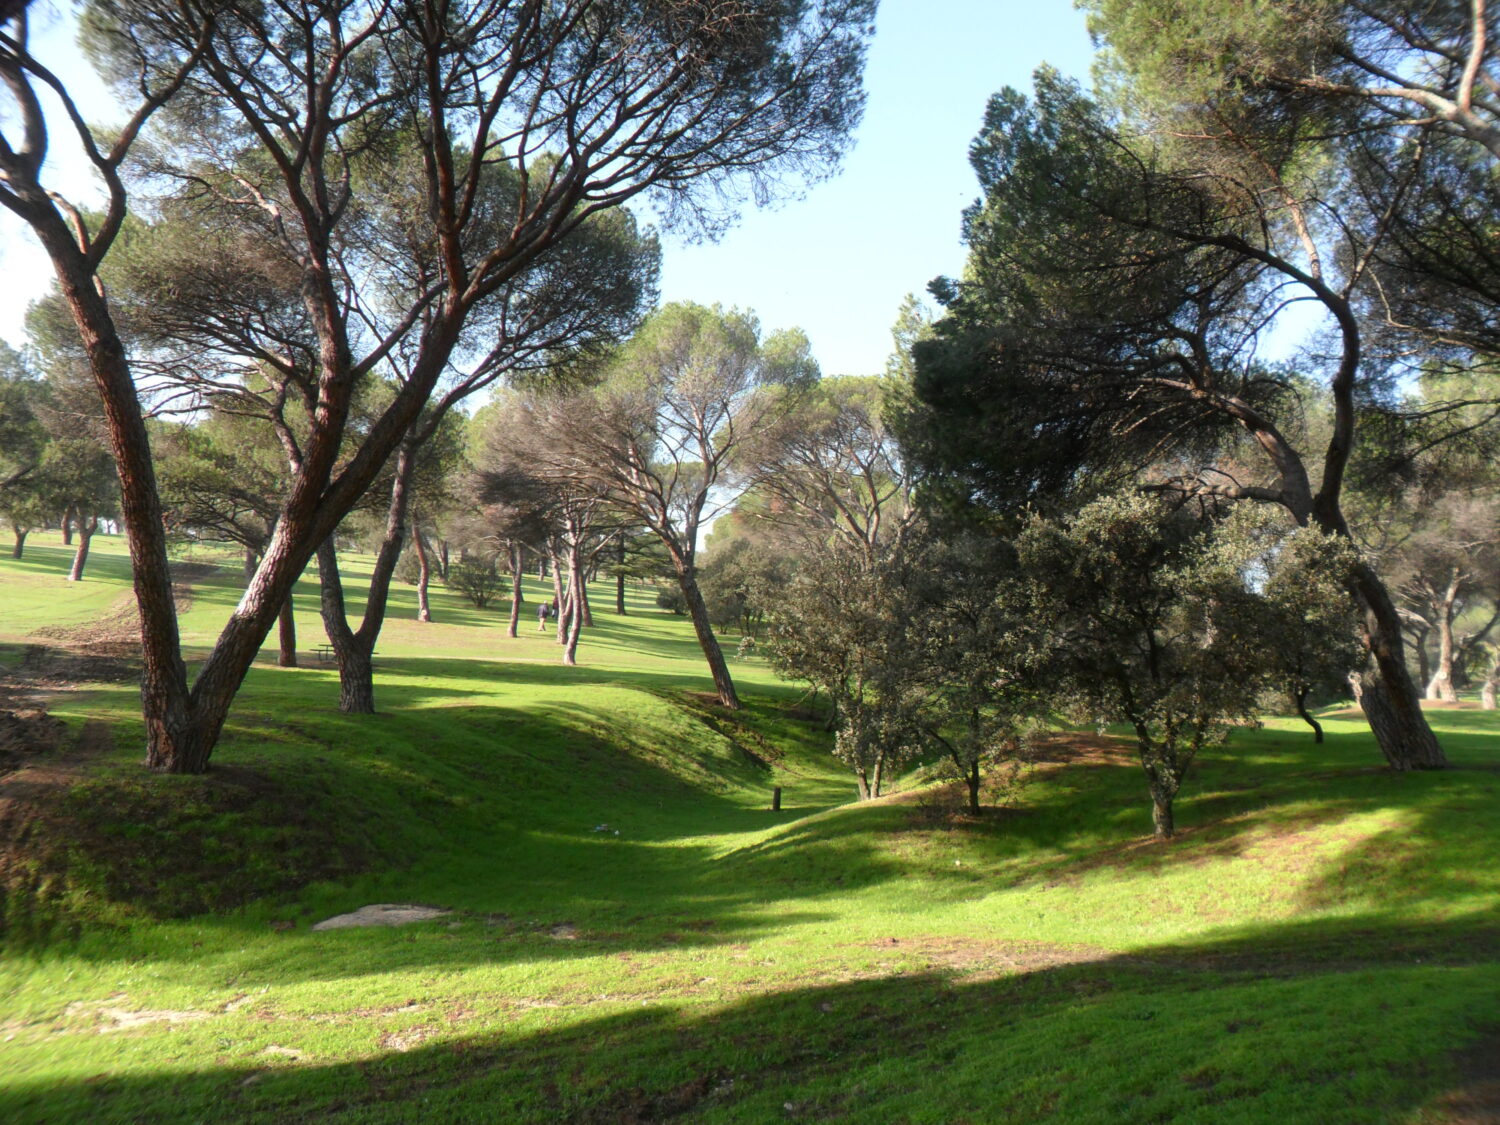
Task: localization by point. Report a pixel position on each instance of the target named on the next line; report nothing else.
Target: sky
(837, 261)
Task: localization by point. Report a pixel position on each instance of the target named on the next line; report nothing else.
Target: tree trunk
(515, 589)
(442, 559)
(252, 560)
(86, 528)
(879, 779)
(583, 604)
(559, 598)
(1419, 647)
(356, 675)
(973, 780)
(1440, 687)
(570, 627)
(1390, 699)
(1487, 691)
(620, 581)
(1385, 723)
(20, 544)
(355, 649)
(575, 629)
(862, 783)
(67, 527)
(424, 574)
(687, 578)
(287, 634)
(1161, 814)
(1300, 699)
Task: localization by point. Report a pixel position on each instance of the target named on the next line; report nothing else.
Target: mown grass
(1319, 944)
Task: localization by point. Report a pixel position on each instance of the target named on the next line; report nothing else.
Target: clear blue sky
(838, 261)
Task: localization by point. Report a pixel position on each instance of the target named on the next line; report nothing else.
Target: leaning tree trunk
(86, 528)
(1300, 699)
(862, 783)
(879, 777)
(287, 634)
(583, 605)
(424, 574)
(1390, 699)
(20, 544)
(178, 740)
(687, 578)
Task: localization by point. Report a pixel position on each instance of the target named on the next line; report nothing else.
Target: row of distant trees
(54, 468)
(344, 220)
(358, 219)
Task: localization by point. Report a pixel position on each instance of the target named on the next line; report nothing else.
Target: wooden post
(776, 799)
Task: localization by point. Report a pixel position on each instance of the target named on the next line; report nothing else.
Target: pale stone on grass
(382, 914)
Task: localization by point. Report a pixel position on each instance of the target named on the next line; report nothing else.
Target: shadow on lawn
(1334, 1021)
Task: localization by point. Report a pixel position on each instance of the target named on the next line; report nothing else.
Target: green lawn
(635, 937)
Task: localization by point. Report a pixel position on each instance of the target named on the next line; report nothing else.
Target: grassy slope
(1316, 947)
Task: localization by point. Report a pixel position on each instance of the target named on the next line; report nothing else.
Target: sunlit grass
(1314, 947)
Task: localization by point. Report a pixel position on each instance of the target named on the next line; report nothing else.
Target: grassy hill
(634, 936)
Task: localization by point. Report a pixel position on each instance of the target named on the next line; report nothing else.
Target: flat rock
(382, 914)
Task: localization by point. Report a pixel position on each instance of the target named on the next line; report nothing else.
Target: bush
(476, 579)
(671, 599)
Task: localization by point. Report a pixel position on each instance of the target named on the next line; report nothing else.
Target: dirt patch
(109, 1018)
(26, 733)
(1476, 1098)
(105, 650)
(1079, 748)
(988, 959)
(406, 1040)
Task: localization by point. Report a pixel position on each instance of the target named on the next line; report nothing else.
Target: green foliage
(738, 579)
(1093, 271)
(1149, 616)
(477, 579)
(915, 650)
(670, 599)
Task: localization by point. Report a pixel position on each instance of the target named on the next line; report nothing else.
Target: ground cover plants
(632, 934)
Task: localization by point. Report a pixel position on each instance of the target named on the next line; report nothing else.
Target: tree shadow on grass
(1275, 1024)
(549, 816)
(1267, 796)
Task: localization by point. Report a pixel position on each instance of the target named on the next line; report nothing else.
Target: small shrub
(476, 579)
